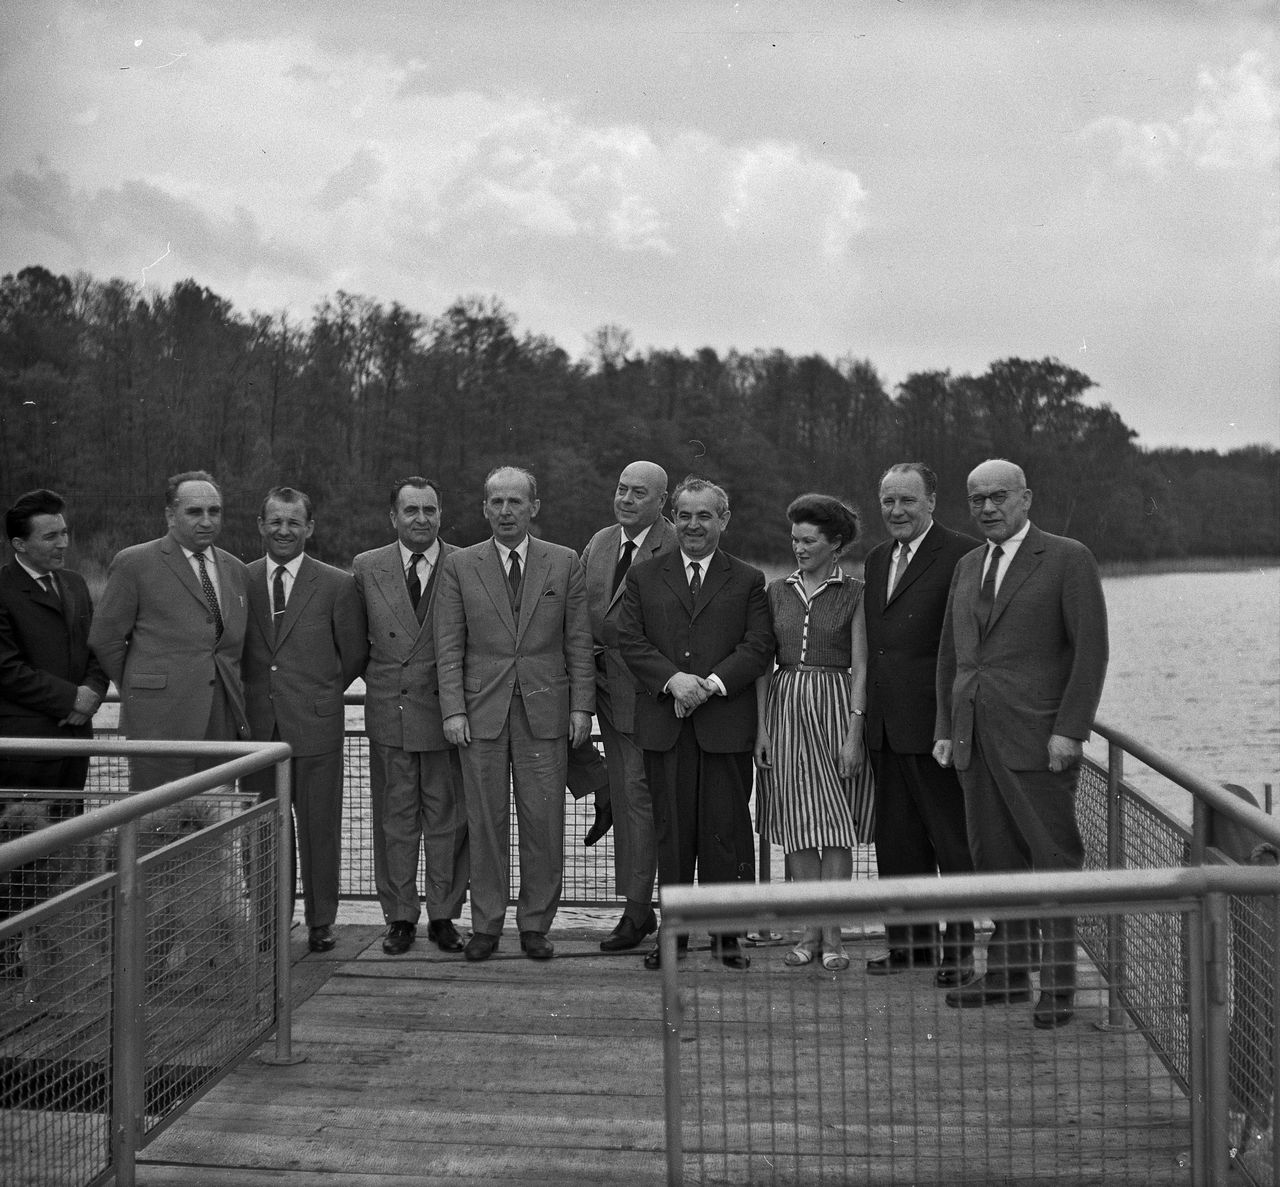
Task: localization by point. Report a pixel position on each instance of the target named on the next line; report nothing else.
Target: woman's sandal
(802, 953)
(835, 962)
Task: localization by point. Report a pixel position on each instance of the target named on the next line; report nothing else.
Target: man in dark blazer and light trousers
(1020, 671)
(640, 533)
(169, 631)
(695, 632)
(305, 642)
(517, 687)
(920, 821)
(414, 775)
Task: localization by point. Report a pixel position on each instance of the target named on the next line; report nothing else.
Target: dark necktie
(50, 586)
(277, 593)
(624, 563)
(513, 579)
(210, 596)
(900, 567)
(987, 594)
(412, 581)
(695, 579)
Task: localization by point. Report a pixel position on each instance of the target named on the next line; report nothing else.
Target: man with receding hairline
(640, 533)
(1021, 662)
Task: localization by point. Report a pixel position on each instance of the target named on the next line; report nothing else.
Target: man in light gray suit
(169, 631)
(414, 774)
(1021, 662)
(306, 642)
(516, 680)
(639, 534)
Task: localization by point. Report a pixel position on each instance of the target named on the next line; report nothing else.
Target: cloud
(364, 170)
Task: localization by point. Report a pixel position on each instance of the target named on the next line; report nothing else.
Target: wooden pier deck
(423, 1069)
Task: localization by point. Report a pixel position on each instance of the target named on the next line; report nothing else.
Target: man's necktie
(412, 581)
(277, 594)
(513, 579)
(50, 586)
(210, 596)
(624, 563)
(900, 567)
(987, 594)
(695, 579)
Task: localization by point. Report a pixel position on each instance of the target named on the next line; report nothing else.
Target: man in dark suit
(695, 632)
(920, 823)
(169, 631)
(516, 680)
(1020, 670)
(639, 534)
(414, 775)
(51, 684)
(306, 641)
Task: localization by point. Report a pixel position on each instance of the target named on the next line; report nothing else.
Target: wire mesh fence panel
(55, 1019)
(209, 963)
(804, 1075)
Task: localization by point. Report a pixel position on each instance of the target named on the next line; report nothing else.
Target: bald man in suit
(513, 641)
(1021, 663)
(170, 631)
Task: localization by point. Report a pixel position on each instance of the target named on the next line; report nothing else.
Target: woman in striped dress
(816, 795)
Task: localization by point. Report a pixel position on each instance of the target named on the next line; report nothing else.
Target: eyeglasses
(997, 497)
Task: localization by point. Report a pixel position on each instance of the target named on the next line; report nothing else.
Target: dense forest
(105, 389)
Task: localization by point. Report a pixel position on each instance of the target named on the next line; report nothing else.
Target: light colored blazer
(295, 672)
(599, 558)
(153, 632)
(483, 651)
(402, 695)
(1038, 667)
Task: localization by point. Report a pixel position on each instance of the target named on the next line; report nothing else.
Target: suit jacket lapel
(612, 549)
(673, 574)
(389, 578)
(260, 599)
(717, 573)
(304, 588)
(1025, 561)
(491, 575)
(922, 559)
(535, 575)
(36, 590)
(178, 564)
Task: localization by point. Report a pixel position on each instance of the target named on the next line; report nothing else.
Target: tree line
(106, 389)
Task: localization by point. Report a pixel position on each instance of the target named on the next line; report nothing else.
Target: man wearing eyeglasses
(1020, 670)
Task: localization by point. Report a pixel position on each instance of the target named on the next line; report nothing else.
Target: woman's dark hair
(830, 516)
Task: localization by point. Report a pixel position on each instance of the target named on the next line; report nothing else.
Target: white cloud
(1236, 121)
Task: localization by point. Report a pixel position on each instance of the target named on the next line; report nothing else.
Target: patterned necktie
(412, 581)
(513, 579)
(987, 594)
(695, 579)
(900, 567)
(624, 563)
(277, 593)
(210, 596)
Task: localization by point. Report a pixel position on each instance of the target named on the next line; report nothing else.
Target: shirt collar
(703, 562)
(207, 553)
(913, 545)
(37, 577)
(837, 577)
(1016, 539)
(504, 553)
(430, 556)
(637, 541)
(291, 567)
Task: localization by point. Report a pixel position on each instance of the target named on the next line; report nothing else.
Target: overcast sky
(924, 185)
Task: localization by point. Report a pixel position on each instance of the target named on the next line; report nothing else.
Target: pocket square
(548, 593)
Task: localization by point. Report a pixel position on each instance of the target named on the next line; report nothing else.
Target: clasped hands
(689, 691)
(87, 702)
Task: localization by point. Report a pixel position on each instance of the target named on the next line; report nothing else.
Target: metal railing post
(1217, 1047)
(672, 1017)
(1117, 957)
(284, 918)
(128, 994)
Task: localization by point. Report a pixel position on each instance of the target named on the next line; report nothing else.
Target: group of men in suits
(484, 665)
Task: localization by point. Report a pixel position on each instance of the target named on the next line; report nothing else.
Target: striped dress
(803, 803)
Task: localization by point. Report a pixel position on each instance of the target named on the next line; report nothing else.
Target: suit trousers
(1024, 820)
(635, 859)
(701, 812)
(920, 830)
(417, 807)
(536, 769)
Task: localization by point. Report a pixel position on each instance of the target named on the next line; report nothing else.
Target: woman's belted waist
(813, 668)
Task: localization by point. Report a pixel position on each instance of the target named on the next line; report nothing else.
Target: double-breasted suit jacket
(155, 635)
(44, 658)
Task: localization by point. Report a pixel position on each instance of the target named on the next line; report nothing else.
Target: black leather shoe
(481, 946)
(900, 960)
(320, 939)
(731, 953)
(399, 936)
(990, 991)
(1053, 1010)
(628, 935)
(444, 935)
(653, 958)
(536, 946)
(601, 825)
(952, 974)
